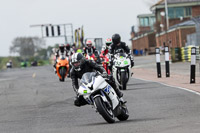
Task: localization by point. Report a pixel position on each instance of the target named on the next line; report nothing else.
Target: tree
(26, 46)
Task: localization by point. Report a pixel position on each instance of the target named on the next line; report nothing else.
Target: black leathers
(122, 45)
(88, 66)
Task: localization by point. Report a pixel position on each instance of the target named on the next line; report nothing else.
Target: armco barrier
(184, 54)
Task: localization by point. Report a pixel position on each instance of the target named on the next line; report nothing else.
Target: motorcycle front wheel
(105, 112)
(62, 73)
(123, 80)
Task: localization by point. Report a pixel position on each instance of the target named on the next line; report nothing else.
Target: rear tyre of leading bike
(124, 113)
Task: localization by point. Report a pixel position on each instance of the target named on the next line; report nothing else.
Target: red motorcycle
(105, 62)
(90, 56)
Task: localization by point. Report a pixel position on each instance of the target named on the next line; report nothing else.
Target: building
(145, 37)
(179, 11)
(146, 23)
(181, 15)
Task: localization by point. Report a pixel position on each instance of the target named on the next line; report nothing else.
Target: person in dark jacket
(89, 49)
(117, 45)
(80, 66)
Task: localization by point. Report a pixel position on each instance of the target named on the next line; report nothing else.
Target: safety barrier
(184, 54)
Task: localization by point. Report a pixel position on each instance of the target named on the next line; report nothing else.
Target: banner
(82, 36)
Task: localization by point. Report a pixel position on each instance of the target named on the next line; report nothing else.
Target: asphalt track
(33, 100)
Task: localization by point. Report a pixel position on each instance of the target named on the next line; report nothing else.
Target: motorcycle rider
(60, 51)
(117, 44)
(89, 49)
(69, 50)
(81, 66)
(9, 64)
(106, 48)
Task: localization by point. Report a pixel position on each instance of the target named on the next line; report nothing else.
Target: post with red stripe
(158, 62)
(193, 65)
(167, 61)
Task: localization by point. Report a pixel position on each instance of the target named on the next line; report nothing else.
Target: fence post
(167, 61)
(158, 62)
(193, 65)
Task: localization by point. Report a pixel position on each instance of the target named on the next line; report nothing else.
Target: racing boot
(79, 101)
(54, 68)
(118, 92)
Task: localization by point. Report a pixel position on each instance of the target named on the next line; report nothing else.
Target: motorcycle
(98, 93)
(121, 70)
(62, 67)
(90, 56)
(105, 62)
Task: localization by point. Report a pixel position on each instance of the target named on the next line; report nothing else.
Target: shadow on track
(139, 88)
(119, 122)
(139, 84)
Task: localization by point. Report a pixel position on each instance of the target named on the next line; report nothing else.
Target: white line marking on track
(195, 92)
(7, 79)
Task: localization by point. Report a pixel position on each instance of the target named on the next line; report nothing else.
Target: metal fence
(194, 39)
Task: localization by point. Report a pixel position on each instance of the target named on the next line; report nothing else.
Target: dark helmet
(116, 39)
(77, 61)
(62, 47)
(68, 47)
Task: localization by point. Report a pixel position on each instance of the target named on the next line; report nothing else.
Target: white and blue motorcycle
(121, 69)
(98, 93)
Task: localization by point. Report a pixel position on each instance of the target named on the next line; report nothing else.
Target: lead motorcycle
(98, 93)
(121, 69)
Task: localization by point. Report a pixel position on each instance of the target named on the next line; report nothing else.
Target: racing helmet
(62, 47)
(116, 39)
(89, 43)
(77, 61)
(108, 42)
(68, 47)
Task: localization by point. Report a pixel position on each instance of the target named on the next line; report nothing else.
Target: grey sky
(101, 18)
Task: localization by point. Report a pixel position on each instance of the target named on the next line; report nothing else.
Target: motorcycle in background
(90, 56)
(121, 69)
(105, 62)
(62, 67)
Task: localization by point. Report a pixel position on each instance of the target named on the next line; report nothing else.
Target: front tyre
(62, 73)
(105, 112)
(123, 80)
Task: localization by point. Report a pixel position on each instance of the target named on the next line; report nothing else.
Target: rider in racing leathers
(89, 48)
(60, 51)
(117, 44)
(106, 49)
(81, 66)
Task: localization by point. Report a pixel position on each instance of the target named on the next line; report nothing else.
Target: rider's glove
(104, 75)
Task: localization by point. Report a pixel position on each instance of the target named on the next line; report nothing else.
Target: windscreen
(87, 77)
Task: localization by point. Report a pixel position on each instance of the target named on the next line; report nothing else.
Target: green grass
(17, 61)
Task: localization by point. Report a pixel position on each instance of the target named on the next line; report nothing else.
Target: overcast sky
(100, 18)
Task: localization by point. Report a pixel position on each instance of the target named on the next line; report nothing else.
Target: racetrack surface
(33, 100)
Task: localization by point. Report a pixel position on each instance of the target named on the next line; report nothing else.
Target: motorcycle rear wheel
(124, 114)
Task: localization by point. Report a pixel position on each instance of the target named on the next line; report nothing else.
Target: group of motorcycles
(94, 88)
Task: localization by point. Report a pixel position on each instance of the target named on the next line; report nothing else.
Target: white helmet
(108, 42)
